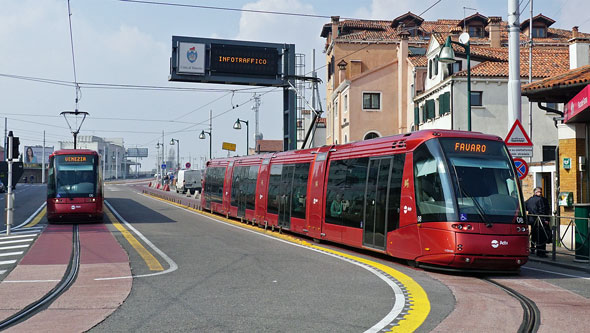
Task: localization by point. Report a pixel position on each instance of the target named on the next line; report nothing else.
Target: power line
(94, 85)
(73, 57)
(162, 3)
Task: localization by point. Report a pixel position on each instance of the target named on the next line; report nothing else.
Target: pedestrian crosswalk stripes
(14, 246)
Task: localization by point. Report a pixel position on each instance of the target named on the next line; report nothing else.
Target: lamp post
(202, 137)
(158, 145)
(447, 56)
(177, 152)
(238, 126)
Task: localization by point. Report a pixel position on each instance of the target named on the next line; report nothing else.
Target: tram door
(376, 204)
(285, 196)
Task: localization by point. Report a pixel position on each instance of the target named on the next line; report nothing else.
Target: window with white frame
(371, 101)
(345, 105)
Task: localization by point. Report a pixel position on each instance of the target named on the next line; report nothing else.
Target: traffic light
(15, 144)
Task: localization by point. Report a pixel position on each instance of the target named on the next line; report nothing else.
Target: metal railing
(563, 235)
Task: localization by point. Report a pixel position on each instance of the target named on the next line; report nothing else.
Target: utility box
(566, 199)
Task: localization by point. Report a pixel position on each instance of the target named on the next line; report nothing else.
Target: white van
(188, 180)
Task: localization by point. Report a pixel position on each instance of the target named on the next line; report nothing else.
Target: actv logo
(496, 244)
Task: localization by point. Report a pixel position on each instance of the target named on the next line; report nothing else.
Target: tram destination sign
(210, 60)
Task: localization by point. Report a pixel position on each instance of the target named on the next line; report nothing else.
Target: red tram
(435, 197)
(74, 186)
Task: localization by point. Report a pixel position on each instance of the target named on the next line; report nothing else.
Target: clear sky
(127, 43)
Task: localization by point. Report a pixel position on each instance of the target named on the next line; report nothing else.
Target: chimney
(335, 24)
(494, 29)
(402, 82)
(579, 50)
(342, 71)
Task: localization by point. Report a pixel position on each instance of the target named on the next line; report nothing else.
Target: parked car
(2, 187)
(188, 180)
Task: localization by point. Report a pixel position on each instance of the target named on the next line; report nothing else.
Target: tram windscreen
(75, 176)
(465, 180)
(486, 186)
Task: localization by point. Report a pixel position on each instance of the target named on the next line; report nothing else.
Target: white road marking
(557, 273)
(13, 247)
(16, 241)
(172, 265)
(8, 254)
(7, 262)
(13, 237)
(2, 272)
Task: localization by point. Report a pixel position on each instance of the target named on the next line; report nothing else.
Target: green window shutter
(430, 109)
(416, 115)
(445, 103)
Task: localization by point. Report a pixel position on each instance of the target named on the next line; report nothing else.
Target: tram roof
(397, 143)
(74, 151)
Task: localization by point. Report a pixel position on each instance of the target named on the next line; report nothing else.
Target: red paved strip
(98, 245)
(54, 247)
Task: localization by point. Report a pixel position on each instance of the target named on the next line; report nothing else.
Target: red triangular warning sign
(517, 136)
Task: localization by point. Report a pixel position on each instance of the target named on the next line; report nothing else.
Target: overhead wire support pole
(316, 113)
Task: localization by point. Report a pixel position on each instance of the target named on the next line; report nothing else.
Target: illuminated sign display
(250, 60)
(470, 147)
(75, 159)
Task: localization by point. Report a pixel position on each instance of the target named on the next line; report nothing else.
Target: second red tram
(74, 186)
(435, 197)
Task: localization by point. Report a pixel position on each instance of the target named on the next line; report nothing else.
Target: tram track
(531, 318)
(66, 281)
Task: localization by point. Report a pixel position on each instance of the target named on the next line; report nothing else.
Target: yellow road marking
(37, 218)
(152, 263)
(420, 307)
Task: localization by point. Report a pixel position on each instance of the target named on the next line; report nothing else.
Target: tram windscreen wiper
(476, 204)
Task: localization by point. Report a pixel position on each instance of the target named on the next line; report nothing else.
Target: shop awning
(576, 110)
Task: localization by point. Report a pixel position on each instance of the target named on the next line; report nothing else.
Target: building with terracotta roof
(384, 77)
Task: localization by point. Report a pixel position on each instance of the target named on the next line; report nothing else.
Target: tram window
(299, 196)
(433, 194)
(395, 191)
(251, 188)
(345, 192)
(274, 184)
(336, 183)
(214, 183)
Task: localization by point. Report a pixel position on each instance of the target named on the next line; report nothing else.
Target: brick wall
(569, 180)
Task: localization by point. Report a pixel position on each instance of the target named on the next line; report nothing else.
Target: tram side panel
(405, 242)
(316, 193)
(262, 192)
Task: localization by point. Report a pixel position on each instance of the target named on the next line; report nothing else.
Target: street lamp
(160, 170)
(238, 126)
(202, 137)
(447, 56)
(177, 152)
